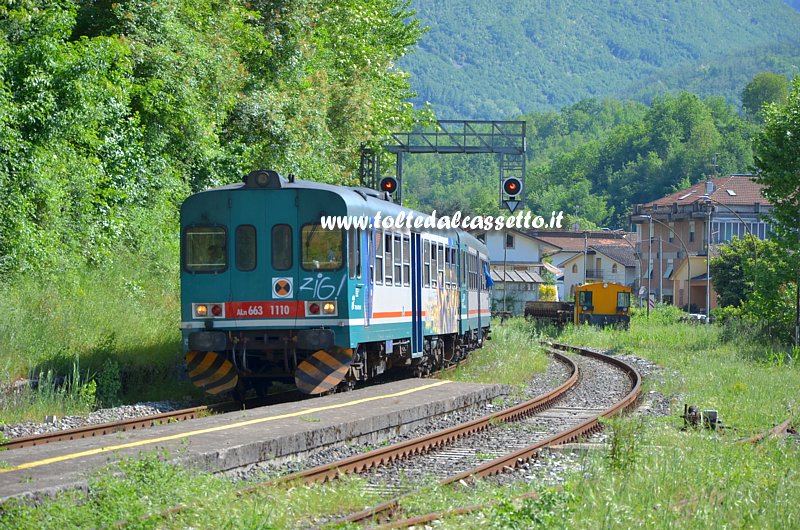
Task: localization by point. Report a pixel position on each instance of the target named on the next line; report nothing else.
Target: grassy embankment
(659, 476)
(113, 332)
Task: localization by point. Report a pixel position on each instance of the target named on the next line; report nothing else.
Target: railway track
(131, 424)
(513, 457)
(444, 443)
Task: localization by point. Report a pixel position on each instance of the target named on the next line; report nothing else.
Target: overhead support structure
(505, 138)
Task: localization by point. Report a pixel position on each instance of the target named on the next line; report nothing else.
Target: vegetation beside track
(657, 475)
(112, 332)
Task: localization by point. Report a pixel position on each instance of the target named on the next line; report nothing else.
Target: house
(672, 235)
(608, 256)
(516, 267)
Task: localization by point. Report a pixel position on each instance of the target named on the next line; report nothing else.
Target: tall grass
(511, 357)
(127, 311)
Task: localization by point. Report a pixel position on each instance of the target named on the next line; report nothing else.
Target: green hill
(500, 59)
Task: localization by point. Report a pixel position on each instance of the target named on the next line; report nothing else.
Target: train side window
(388, 258)
(281, 247)
(440, 264)
(398, 260)
(433, 264)
(453, 271)
(354, 253)
(378, 257)
(206, 249)
(245, 247)
(406, 259)
(447, 267)
(463, 269)
(426, 258)
(321, 248)
(585, 298)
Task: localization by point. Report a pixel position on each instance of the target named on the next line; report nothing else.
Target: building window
(574, 268)
(509, 240)
(691, 231)
(614, 268)
(671, 232)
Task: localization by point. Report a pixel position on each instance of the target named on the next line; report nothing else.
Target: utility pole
(649, 263)
(585, 251)
(660, 270)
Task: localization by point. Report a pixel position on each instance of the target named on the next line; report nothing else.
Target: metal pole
(505, 279)
(585, 250)
(708, 268)
(649, 263)
(661, 271)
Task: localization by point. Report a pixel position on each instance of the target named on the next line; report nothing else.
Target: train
(595, 303)
(270, 296)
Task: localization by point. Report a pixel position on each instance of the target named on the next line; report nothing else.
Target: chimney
(709, 187)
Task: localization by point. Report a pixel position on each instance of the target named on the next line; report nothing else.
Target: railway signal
(388, 184)
(512, 187)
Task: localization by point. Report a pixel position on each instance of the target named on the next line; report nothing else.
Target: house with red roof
(676, 233)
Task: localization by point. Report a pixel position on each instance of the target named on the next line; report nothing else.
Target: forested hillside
(493, 60)
(597, 158)
(112, 112)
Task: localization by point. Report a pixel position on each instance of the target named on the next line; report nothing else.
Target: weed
(312, 419)
(480, 455)
(109, 383)
(623, 443)
(549, 509)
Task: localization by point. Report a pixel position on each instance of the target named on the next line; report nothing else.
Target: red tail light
(216, 310)
(313, 308)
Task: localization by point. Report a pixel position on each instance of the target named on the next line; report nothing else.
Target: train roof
(358, 197)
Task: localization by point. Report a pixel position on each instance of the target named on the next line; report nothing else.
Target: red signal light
(512, 186)
(388, 184)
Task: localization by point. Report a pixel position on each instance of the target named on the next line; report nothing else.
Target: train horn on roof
(264, 178)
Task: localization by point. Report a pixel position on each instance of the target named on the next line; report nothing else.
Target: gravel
(123, 412)
(555, 374)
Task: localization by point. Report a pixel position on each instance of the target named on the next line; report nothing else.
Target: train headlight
(201, 310)
(329, 308)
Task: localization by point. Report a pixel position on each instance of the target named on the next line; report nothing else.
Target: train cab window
(406, 259)
(321, 248)
(245, 247)
(281, 247)
(354, 253)
(426, 259)
(585, 298)
(398, 260)
(388, 245)
(623, 301)
(206, 249)
(433, 264)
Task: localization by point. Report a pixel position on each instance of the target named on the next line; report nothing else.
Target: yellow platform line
(180, 436)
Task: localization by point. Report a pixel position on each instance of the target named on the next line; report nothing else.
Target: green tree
(766, 87)
(777, 156)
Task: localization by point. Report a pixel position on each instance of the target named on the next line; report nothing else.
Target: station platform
(227, 441)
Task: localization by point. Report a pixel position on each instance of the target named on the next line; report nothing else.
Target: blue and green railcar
(269, 295)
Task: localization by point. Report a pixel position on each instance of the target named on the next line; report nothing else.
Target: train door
(263, 280)
(416, 294)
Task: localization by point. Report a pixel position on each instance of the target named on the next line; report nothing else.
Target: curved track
(514, 459)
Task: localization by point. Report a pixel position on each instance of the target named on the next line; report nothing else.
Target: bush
(109, 384)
